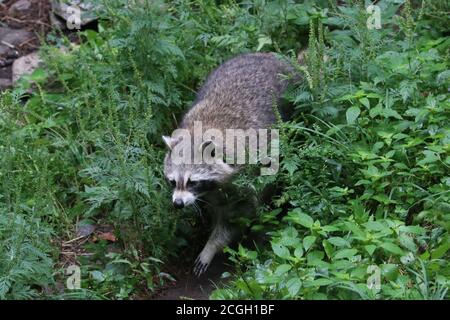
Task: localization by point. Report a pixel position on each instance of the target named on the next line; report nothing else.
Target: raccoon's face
(191, 181)
(187, 185)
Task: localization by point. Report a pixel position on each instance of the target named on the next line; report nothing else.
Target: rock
(13, 54)
(20, 7)
(75, 13)
(85, 230)
(6, 62)
(57, 22)
(25, 65)
(5, 84)
(6, 72)
(11, 38)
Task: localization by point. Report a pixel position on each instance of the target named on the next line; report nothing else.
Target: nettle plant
(26, 263)
(364, 172)
(365, 210)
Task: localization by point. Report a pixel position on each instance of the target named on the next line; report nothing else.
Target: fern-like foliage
(26, 266)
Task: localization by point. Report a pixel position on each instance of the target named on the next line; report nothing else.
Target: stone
(5, 84)
(57, 22)
(85, 230)
(20, 7)
(6, 62)
(11, 38)
(25, 65)
(75, 13)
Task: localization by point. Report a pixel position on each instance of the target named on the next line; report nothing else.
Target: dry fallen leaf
(107, 236)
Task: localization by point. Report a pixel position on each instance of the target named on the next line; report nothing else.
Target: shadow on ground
(188, 286)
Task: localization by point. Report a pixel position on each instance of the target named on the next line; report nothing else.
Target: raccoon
(239, 94)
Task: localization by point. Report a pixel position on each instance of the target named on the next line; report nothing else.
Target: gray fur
(239, 94)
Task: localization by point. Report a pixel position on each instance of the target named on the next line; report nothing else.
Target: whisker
(200, 213)
(197, 209)
(204, 201)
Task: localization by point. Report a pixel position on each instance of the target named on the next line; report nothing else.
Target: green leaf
(392, 248)
(375, 226)
(328, 248)
(407, 242)
(297, 216)
(280, 250)
(339, 242)
(289, 237)
(352, 114)
(318, 282)
(365, 102)
(98, 276)
(282, 269)
(262, 41)
(293, 286)
(298, 252)
(308, 242)
(370, 248)
(440, 251)
(345, 253)
(412, 229)
(39, 75)
(353, 227)
(430, 157)
(315, 257)
(390, 271)
(382, 198)
(391, 113)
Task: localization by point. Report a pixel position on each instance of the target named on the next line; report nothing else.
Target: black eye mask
(202, 185)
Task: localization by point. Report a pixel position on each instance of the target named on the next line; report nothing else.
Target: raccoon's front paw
(201, 264)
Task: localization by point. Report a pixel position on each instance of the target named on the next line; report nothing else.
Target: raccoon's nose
(178, 203)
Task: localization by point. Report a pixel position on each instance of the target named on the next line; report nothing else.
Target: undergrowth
(364, 171)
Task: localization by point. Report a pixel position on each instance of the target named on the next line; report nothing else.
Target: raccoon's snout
(178, 203)
(181, 199)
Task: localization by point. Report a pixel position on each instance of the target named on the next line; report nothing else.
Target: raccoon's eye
(191, 183)
(172, 183)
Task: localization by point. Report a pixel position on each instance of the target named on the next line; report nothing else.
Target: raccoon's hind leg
(220, 237)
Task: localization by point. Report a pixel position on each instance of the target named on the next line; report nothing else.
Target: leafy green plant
(26, 264)
(364, 170)
(368, 191)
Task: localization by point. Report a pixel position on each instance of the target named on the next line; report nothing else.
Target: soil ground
(189, 286)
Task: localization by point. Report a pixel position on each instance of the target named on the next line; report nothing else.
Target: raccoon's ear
(168, 141)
